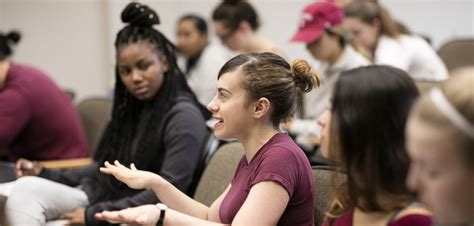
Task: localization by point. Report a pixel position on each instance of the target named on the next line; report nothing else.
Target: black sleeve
(184, 137)
(71, 177)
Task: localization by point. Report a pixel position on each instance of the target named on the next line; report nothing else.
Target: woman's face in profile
(438, 174)
(141, 69)
(229, 37)
(324, 121)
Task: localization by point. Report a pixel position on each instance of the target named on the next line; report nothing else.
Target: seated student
(322, 33)
(363, 133)
(236, 23)
(273, 184)
(440, 141)
(155, 123)
(203, 59)
(37, 118)
(372, 27)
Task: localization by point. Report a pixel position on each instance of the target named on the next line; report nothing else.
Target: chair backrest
(323, 193)
(425, 86)
(457, 53)
(210, 145)
(218, 172)
(95, 114)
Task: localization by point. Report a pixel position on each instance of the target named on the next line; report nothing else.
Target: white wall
(72, 40)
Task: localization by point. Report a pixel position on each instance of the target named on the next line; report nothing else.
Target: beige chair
(457, 53)
(425, 86)
(323, 194)
(218, 172)
(95, 114)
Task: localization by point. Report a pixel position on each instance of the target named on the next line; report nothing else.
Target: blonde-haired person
(273, 183)
(388, 42)
(320, 30)
(440, 141)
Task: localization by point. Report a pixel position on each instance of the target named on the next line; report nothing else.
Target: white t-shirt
(412, 54)
(202, 78)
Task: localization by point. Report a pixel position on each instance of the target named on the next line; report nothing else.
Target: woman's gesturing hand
(137, 179)
(143, 215)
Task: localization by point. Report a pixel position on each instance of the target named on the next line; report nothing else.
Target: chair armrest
(66, 163)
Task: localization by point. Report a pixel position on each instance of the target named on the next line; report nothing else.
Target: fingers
(117, 164)
(132, 166)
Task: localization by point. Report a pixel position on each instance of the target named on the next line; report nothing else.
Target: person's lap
(35, 201)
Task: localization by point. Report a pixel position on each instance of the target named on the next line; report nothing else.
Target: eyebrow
(223, 90)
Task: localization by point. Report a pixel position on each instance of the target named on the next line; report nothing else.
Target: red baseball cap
(316, 18)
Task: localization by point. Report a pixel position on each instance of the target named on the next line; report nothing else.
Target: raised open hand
(137, 179)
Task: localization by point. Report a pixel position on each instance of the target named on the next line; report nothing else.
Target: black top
(183, 138)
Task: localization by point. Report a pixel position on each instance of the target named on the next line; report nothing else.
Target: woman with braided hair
(156, 123)
(273, 182)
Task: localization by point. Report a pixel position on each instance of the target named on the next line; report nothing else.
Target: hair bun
(139, 15)
(13, 36)
(305, 78)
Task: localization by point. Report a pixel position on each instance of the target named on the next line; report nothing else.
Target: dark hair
(269, 75)
(232, 12)
(198, 21)
(369, 11)
(6, 43)
(369, 109)
(122, 141)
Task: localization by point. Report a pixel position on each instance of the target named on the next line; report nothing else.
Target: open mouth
(217, 122)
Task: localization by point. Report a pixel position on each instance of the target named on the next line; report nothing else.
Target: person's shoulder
(413, 216)
(282, 147)
(184, 106)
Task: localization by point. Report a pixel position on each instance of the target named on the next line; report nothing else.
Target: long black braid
(116, 143)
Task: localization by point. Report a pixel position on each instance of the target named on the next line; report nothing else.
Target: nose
(137, 77)
(212, 106)
(322, 119)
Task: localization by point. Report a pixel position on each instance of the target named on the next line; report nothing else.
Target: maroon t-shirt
(282, 161)
(408, 220)
(37, 118)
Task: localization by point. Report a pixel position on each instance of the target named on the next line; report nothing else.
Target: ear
(245, 26)
(261, 108)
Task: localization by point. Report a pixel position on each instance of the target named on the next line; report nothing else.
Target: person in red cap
(320, 30)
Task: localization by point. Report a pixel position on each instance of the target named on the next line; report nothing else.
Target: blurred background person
(371, 155)
(37, 119)
(440, 141)
(236, 23)
(320, 30)
(202, 59)
(387, 42)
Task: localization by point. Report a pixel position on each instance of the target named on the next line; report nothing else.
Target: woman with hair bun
(236, 23)
(156, 123)
(33, 110)
(273, 182)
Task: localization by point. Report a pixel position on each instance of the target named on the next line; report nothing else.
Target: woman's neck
(257, 43)
(256, 138)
